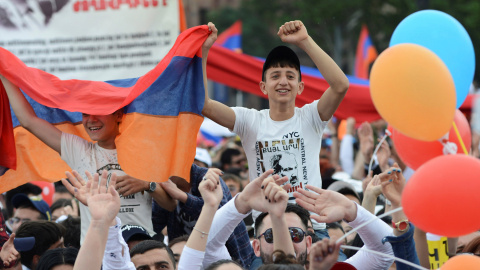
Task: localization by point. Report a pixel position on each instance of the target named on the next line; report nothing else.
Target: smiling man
(94, 157)
(284, 138)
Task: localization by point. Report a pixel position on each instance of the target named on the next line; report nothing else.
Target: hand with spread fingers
(77, 185)
(8, 253)
(392, 183)
(253, 196)
(103, 202)
(330, 206)
(324, 254)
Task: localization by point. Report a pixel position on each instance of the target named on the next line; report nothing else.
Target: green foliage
(335, 24)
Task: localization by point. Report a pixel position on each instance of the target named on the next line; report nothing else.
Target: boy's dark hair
(72, 232)
(183, 238)
(219, 263)
(46, 234)
(335, 225)
(58, 256)
(282, 56)
(147, 245)
(301, 212)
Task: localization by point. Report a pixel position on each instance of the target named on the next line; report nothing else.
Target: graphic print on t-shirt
(125, 207)
(286, 157)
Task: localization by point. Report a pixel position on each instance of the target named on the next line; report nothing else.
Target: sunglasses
(296, 233)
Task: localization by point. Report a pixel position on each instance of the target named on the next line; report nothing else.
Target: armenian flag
(231, 38)
(366, 54)
(157, 135)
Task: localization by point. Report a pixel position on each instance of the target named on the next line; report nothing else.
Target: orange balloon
(463, 262)
(415, 153)
(413, 90)
(442, 196)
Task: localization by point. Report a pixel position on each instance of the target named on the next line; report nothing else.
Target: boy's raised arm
(294, 32)
(42, 129)
(218, 112)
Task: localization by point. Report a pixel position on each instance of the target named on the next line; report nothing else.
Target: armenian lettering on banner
(90, 39)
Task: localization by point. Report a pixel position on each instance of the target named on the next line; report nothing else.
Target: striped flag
(231, 38)
(366, 54)
(157, 135)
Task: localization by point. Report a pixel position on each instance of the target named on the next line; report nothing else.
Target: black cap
(130, 232)
(281, 56)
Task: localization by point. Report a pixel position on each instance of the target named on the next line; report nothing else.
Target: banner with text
(89, 39)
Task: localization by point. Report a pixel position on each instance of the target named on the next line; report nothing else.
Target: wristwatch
(153, 186)
(401, 226)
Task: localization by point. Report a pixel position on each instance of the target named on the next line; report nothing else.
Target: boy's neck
(282, 112)
(107, 144)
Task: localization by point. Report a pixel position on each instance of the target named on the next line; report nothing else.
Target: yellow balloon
(413, 90)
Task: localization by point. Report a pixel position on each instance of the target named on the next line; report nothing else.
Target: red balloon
(415, 152)
(464, 262)
(442, 196)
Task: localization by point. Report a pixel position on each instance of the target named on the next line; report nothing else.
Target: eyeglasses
(15, 220)
(296, 233)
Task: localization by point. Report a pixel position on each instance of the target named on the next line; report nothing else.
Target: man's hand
(293, 32)
(174, 192)
(276, 196)
(365, 136)
(9, 254)
(103, 202)
(324, 254)
(252, 196)
(211, 191)
(211, 38)
(77, 186)
(127, 185)
(330, 206)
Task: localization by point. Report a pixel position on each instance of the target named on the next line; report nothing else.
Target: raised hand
(383, 155)
(77, 186)
(9, 254)
(103, 202)
(211, 38)
(171, 188)
(211, 190)
(365, 136)
(324, 254)
(293, 32)
(276, 196)
(392, 183)
(253, 197)
(330, 206)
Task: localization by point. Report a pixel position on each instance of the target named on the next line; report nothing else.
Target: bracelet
(203, 233)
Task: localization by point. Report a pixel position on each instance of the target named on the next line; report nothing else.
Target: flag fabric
(366, 54)
(8, 158)
(157, 134)
(231, 38)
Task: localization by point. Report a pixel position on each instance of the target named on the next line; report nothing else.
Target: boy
(81, 155)
(284, 138)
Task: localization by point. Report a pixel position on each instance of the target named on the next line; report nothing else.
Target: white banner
(89, 39)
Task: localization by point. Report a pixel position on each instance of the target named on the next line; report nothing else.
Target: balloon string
(387, 133)
(385, 255)
(368, 222)
(460, 138)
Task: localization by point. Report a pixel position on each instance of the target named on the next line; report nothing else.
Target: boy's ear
(262, 87)
(301, 86)
(119, 115)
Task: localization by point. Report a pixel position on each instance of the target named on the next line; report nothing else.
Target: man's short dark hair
(57, 256)
(301, 212)
(226, 157)
(147, 245)
(183, 238)
(72, 232)
(46, 234)
(281, 56)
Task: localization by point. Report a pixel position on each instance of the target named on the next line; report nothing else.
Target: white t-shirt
(290, 147)
(81, 155)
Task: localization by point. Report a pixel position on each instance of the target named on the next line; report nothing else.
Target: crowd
(281, 195)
